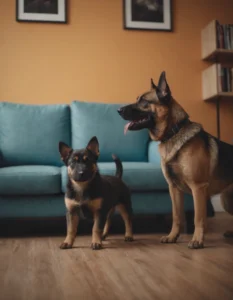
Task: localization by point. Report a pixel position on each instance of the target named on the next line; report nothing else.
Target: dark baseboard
(57, 226)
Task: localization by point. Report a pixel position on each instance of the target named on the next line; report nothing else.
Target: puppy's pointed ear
(153, 86)
(65, 151)
(93, 146)
(163, 86)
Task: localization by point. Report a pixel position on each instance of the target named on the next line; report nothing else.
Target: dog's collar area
(175, 129)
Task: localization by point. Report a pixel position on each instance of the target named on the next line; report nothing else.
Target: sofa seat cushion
(157, 202)
(30, 180)
(32, 206)
(29, 134)
(102, 120)
(139, 176)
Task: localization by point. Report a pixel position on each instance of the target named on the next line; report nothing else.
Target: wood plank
(210, 85)
(208, 39)
(221, 96)
(210, 82)
(35, 268)
(223, 56)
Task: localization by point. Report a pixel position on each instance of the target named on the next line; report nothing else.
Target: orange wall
(94, 59)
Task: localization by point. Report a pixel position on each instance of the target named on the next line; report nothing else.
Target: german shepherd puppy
(192, 160)
(92, 195)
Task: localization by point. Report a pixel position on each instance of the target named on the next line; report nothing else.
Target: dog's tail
(119, 168)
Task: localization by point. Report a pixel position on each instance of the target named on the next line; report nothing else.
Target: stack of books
(225, 79)
(224, 36)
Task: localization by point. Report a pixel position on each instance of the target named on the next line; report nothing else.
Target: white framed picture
(147, 15)
(49, 11)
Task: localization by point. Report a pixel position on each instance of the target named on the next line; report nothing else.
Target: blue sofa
(33, 178)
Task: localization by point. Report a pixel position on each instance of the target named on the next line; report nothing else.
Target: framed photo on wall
(50, 11)
(147, 14)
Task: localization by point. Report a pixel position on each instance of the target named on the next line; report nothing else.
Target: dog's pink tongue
(126, 127)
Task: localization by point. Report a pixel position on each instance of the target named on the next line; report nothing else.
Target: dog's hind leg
(107, 224)
(227, 203)
(177, 198)
(126, 213)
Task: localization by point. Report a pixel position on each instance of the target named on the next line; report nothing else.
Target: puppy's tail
(119, 168)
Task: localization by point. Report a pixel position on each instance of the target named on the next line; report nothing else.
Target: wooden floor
(35, 268)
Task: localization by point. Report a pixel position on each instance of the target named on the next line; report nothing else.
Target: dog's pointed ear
(153, 86)
(163, 85)
(93, 146)
(65, 151)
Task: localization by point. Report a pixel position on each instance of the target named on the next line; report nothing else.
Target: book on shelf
(225, 79)
(224, 36)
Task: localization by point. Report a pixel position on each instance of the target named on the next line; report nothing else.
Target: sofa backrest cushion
(29, 134)
(154, 154)
(103, 121)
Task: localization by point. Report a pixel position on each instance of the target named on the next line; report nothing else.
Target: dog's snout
(80, 172)
(120, 110)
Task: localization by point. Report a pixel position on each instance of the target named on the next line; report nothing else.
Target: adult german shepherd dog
(192, 160)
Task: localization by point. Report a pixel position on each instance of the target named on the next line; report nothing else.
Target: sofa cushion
(30, 180)
(158, 202)
(45, 206)
(139, 176)
(29, 134)
(53, 205)
(102, 120)
(64, 178)
(1, 159)
(153, 153)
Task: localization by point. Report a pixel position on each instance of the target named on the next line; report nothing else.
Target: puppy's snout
(80, 172)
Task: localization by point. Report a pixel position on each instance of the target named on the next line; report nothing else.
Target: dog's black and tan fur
(192, 160)
(93, 195)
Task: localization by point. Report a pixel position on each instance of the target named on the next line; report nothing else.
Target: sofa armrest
(153, 153)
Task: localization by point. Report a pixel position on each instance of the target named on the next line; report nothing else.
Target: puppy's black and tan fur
(93, 195)
(192, 160)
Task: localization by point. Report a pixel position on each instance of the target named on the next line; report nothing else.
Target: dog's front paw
(196, 244)
(104, 236)
(129, 239)
(169, 239)
(96, 246)
(65, 245)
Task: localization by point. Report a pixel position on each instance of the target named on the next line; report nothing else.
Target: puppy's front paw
(169, 239)
(96, 246)
(65, 245)
(195, 244)
(129, 239)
